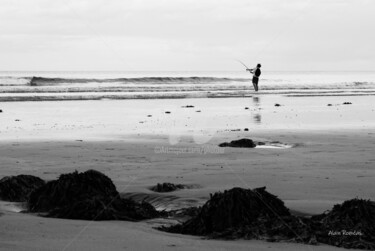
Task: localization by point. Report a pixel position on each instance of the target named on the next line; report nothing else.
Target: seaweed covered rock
(245, 213)
(89, 196)
(241, 143)
(166, 187)
(17, 188)
(349, 225)
(98, 208)
(234, 208)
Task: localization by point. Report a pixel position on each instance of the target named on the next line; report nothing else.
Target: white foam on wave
(273, 145)
(63, 86)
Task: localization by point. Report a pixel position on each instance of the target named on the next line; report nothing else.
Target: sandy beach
(187, 125)
(316, 155)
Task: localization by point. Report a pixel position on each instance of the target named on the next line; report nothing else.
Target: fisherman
(256, 73)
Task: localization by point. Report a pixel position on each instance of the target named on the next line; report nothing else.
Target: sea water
(81, 85)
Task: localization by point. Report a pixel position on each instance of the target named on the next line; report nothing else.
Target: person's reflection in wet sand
(257, 116)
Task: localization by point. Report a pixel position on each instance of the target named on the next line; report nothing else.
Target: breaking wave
(85, 88)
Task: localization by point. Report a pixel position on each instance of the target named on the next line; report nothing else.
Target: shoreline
(247, 92)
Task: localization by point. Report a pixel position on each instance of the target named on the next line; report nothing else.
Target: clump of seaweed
(257, 214)
(167, 187)
(248, 214)
(349, 225)
(89, 195)
(18, 188)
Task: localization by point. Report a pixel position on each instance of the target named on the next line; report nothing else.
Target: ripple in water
(164, 202)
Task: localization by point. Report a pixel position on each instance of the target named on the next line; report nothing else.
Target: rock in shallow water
(166, 187)
(89, 196)
(241, 143)
(17, 188)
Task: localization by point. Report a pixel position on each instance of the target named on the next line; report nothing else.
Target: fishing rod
(247, 68)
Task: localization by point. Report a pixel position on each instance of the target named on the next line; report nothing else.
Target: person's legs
(255, 83)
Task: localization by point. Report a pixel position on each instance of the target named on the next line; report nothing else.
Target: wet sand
(330, 159)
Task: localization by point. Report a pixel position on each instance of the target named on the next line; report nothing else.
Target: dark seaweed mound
(245, 213)
(17, 188)
(166, 187)
(257, 214)
(349, 225)
(241, 143)
(89, 196)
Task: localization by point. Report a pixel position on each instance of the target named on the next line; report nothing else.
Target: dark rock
(241, 143)
(1, 110)
(188, 106)
(17, 188)
(277, 105)
(198, 111)
(235, 130)
(89, 196)
(167, 187)
(233, 208)
(257, 214)
(167, 112)
(246, 129)
(329, 105)
(149, 115)
(349, 225)
(246, 108)
(347, 103)
(245, 213)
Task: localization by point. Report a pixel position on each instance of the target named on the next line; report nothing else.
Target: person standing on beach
(256, 73)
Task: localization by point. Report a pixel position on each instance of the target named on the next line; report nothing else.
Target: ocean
(81, 85)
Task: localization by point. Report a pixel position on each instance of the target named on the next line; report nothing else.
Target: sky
(187, 35)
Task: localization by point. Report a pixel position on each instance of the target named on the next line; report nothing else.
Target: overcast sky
(187, 34)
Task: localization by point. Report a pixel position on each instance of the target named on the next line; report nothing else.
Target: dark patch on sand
(235, 130)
